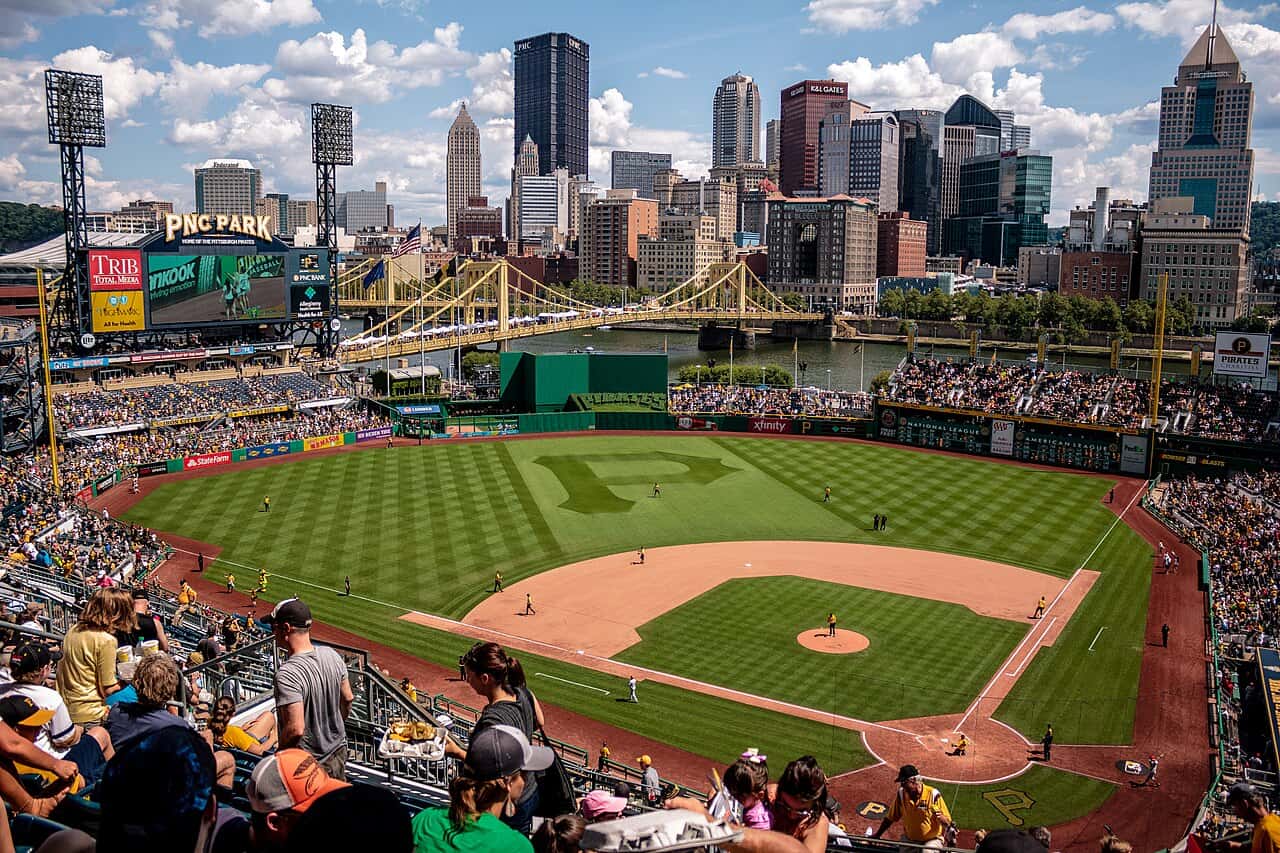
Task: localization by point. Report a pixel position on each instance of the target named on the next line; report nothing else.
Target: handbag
(555, 792)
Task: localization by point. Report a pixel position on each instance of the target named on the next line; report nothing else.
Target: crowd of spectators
(185, 399)
(1069, 395)
(751, 400)
(961, 384)
(1235, 412)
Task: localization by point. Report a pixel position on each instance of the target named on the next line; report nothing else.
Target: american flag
(411, 243)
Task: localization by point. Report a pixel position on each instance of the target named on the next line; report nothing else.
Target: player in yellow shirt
(924, 815)
(231, 582)
(831, 624)
(1248, 804)
(603, 761)
(1040, 606)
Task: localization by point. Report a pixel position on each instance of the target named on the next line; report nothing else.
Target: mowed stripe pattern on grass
(926, 657)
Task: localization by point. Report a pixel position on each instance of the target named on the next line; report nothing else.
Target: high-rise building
(858, 154)
(363, 210)
(900, 245)
(1020, 137)
(920, 170)
(1205, 263)
(526, 164)
(717, 199)
(833, 146)
(544, 203)
(582, 191)
(611, 231)
(634, 170)
(803, 107)
(1003, 202)
(1206, 119)
(824, 249)
(462, 168)
(735, 122)
(228, 186)
(479, 228)
(551, 101)
(143, 209)
(748, 178)
(685, 244)
(772, 147)
(970, 129)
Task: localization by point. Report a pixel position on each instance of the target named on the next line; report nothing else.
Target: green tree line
(743, 374)
(23, 225)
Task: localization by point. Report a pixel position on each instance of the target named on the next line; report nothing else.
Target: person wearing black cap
(1248, 804)
(90, 748)
(924, 815)
(489, 783)
(312, 692)
(149, 626)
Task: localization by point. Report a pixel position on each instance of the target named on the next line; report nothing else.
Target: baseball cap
(13, 605)
(291, 611)
(29, 657)
(290, 779)
(601, 803)
(499, 751)
(907, 771)
(1241, 791)
(140, 594)
(172, 766)
(644, 759)
(17, 710)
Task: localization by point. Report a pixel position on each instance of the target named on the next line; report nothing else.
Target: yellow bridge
(494, 302)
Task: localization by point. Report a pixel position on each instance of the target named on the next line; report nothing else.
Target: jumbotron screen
(189, 289)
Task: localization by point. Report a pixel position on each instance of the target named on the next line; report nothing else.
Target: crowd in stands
(750, 400)
(179, 399)
(1235, 412)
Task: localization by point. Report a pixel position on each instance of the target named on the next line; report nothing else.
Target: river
(839, 364)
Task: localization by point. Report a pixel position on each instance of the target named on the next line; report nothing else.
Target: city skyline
(187, 83)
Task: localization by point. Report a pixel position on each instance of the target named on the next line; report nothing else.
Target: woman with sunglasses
(798, 803)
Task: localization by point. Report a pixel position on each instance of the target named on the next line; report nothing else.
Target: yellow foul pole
(48, 383)
(1157, 361)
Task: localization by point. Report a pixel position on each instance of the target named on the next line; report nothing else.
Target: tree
(936, 306)
(880, 383)
(1139, 316)
(1014, 314)
(892, 303)
(1180, 317)
(1250, 323)
(794, 301)
(1053, 310)
(476, 361)
(23, 225)
(1106, 315)
(743, 374)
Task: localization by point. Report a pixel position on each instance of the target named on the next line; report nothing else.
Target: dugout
(544, 382)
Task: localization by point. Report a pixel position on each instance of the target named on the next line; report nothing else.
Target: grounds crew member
(924, 815)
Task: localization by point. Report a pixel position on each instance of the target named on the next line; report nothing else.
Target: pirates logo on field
(872, 809)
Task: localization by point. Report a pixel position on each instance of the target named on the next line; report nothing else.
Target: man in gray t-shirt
(313, 695)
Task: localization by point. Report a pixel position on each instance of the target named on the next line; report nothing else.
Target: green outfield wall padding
(173, 466)
(238, 455)
(629, 373)
(557, 422)
(348, 438)
(295, 446)
(634, 420)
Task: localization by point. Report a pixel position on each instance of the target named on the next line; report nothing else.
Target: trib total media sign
(115, 290)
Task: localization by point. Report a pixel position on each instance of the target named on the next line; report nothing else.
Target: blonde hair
(109, 610)
(156, 680)
(469, 798)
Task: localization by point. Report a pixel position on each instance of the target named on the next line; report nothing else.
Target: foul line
(574, 683)
(1096, 636)
(1034, 648)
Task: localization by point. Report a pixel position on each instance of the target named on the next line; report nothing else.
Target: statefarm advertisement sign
(206, 460)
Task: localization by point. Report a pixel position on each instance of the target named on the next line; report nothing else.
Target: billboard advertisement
(371, 434)
(206, 460)
(1002, 438)
(308, 274)
(266, 451)
(1241, 354)
(115, 269)
(320, 442)
(115, 290)
(187, 289)
(770, 425)
(152, 469)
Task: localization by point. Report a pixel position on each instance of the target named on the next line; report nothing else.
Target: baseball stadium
(983, 596)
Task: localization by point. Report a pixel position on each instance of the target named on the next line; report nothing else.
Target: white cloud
(22, 108)
(610, 118)
(898, 84)
(11, 172)
(324, 66)
(494, 89)
(1184, 18)
(162, 41)
(15, 22)
(1025, 25)
(256, 128)
(974, 53)
(14, 32)
(231, 17)
(124, 84)
(187, 88)
(611, 129)
(841, 16)
(673, 74)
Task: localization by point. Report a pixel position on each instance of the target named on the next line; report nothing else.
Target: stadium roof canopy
(52, 254)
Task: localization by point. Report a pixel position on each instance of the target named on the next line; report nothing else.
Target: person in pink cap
(602, 805)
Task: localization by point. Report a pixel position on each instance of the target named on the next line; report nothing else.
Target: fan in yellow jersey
(926, 820)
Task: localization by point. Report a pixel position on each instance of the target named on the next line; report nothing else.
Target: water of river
(838, 363)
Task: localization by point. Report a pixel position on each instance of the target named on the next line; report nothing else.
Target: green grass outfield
(424, 528)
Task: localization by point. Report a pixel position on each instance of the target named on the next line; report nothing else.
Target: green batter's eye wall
(544, 382)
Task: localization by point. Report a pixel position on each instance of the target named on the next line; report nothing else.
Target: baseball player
(831, 624)
(497, 581)
(631, 687)
(528, 605)
(1040, 606)
(826, 495)
(641, 553)
(1153, 765)
(266, 503)
(347, 581)
(231, 582)
(657, 490)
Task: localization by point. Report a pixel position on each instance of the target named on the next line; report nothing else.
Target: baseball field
(723, 623)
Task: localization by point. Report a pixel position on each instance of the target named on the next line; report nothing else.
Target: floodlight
(74, 104)
(331, 135)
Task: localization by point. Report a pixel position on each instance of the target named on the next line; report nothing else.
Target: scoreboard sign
(1241, 354)
(115, 290)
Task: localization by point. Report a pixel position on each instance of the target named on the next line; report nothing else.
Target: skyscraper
(772, 146)
(462, 168)
(526, 164)
(551, 84)
(1203, 150)
(634, 170)
(228, 186)
(970, 129)
(803, 107)
(858, 154)
(363, 210)
(735, 122)
(1003, 202)
(920, 170)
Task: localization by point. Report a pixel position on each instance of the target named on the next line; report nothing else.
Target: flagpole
(795, 361)
(731, 336)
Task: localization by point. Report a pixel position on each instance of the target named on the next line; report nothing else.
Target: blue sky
(189, 80)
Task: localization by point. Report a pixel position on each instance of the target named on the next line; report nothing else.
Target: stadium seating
(752, 400)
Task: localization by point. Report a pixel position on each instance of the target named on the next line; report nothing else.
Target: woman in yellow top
(257, 738)
(87, 672)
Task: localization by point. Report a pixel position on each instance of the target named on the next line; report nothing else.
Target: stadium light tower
(76, 120)
(330, 148)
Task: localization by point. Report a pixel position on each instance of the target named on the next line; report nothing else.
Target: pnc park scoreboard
(203, 271)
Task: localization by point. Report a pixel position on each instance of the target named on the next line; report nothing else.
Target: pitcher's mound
(843, 643)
